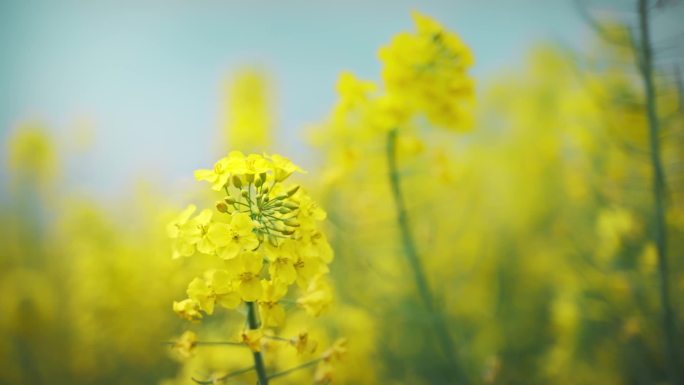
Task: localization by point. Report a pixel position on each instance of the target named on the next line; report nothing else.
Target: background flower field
(473, 216)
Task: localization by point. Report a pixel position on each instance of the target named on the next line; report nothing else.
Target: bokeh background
(536, 227)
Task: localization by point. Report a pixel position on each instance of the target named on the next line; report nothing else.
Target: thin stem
(205, 343)
(294, 369)
(411, 253)
(645, 61)
(253, 324)
(227, 376)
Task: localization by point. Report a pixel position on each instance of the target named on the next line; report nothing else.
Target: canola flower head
(265, 234)
(428, 69)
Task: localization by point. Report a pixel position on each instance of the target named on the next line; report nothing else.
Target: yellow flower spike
(185, 346)
(188, 309)
(252, 338)
(427, 72)
(267, 219)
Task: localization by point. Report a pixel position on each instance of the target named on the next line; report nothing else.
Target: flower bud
(291, 205)
(222, 207)
(292, 191)
(237, 182)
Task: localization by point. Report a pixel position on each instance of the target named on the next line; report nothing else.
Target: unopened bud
(291, 222)
(258, 181)
(237, 182)
(283, 210)
(249, 177)
(222, 207)
(292, 191)
(244, 193)
(291, 205)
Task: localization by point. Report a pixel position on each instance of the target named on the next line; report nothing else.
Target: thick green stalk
(411, 253)
(645, 60)
(253, 324)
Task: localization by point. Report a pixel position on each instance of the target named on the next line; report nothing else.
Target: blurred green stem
(253, 324)
(645, 61)
(411, 253)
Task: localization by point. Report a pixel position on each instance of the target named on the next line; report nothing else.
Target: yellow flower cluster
(424, 75)
(265, 235)
(428, 70)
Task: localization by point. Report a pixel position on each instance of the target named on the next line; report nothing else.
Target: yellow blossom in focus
(238, 236)
(272, 313)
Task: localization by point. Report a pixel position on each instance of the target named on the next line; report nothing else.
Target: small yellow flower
(317, 298)
(281, 262)
(174, 228)
(237, 237)
(283, 167)
(252, 338)
(188, 309)
(272, 313)
(303, 344)
(249, 276)
(234, 163)
(184, 347)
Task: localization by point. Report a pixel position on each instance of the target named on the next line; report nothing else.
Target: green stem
(227, 376)
(294, 369)
(258, 358)
(645, 61)
(411, 253)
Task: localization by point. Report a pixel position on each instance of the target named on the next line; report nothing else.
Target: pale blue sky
(148, 73)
